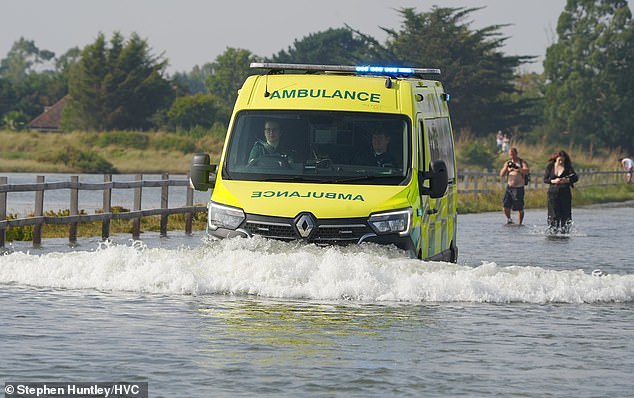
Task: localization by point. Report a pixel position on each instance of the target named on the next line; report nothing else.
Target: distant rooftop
(50, 119)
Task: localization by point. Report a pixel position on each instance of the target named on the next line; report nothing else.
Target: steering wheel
(270, 161)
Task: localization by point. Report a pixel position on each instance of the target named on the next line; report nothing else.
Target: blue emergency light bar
(394, 71)
(384, 70)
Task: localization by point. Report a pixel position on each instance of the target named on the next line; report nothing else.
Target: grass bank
(536, 199)
(478, 153)
(105, 152)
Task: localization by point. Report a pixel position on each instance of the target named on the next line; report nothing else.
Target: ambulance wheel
(453, 249)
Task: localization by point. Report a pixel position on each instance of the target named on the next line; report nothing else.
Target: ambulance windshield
(319, 146)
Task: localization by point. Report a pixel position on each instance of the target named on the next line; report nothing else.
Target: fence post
(613, 178)
(164, 201)
(3, 212)
(189, 201)
(38, 211)
(107, 208)
(136, 222)
(74, 210)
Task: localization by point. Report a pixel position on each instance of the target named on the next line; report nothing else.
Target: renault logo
(305, 225)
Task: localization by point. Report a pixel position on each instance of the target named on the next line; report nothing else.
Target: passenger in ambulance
(379, 154)
(273, 145)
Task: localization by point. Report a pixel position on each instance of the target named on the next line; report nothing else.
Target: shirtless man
(515, 168)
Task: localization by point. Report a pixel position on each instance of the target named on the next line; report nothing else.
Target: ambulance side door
(440, 145)
(427, 211)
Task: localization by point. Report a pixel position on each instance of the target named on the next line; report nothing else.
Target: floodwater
(521, 314)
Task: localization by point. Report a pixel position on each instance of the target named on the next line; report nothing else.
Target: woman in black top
(561, 176)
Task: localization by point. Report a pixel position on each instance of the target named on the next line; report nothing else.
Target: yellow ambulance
(337, 155)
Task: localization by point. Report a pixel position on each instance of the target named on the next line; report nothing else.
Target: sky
(195, 32)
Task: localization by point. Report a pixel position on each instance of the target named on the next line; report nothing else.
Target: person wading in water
(515, 168)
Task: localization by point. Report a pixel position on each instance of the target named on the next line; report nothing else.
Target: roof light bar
(361, 69)
(388, 70)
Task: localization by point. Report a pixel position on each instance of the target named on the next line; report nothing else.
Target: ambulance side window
(441, 144)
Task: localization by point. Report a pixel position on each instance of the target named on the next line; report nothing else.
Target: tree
(191, 111)
(590, 92)
(194, 81)
(22, 59)
(116, 86)
(8, 97)
(65, 61)
(27, 81)
(475, 72)
(229, 71)
(529, 93)
(331, 47)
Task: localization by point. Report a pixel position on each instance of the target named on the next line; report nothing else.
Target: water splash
(569, 231)
(270, 268)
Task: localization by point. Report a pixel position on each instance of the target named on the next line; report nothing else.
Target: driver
(378, 154)
(273, 134)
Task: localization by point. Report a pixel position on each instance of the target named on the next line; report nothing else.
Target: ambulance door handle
(432, 211)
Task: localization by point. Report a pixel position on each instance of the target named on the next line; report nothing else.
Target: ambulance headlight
(391, 222)
(221, 216)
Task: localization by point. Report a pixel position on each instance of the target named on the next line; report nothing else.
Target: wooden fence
(38, 219)
(486, 180)
(468, 182)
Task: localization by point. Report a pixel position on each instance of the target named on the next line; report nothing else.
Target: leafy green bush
(90, 162)
(217, 130)
(173, 142)
(126, 139)
(191, 111)
(77, 160)
(475, 153)
(23, 233)
(15, 120)
(15, 155)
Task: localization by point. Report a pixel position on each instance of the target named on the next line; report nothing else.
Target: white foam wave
(285, 270)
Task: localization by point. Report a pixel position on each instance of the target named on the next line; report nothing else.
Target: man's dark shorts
(514, 198)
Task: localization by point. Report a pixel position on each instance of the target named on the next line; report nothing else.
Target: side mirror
(438, 180)
(202, 175)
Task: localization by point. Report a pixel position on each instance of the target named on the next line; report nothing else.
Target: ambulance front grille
(341, 232)
(324, 233)
(272, 230)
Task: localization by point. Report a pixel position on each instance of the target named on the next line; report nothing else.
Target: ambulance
(336, 155)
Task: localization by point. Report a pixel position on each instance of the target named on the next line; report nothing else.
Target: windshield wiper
(365, 177)
(292, 179)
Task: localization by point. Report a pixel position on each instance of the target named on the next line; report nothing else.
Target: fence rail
(74, 185)
(469, 182)
(487, 180)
